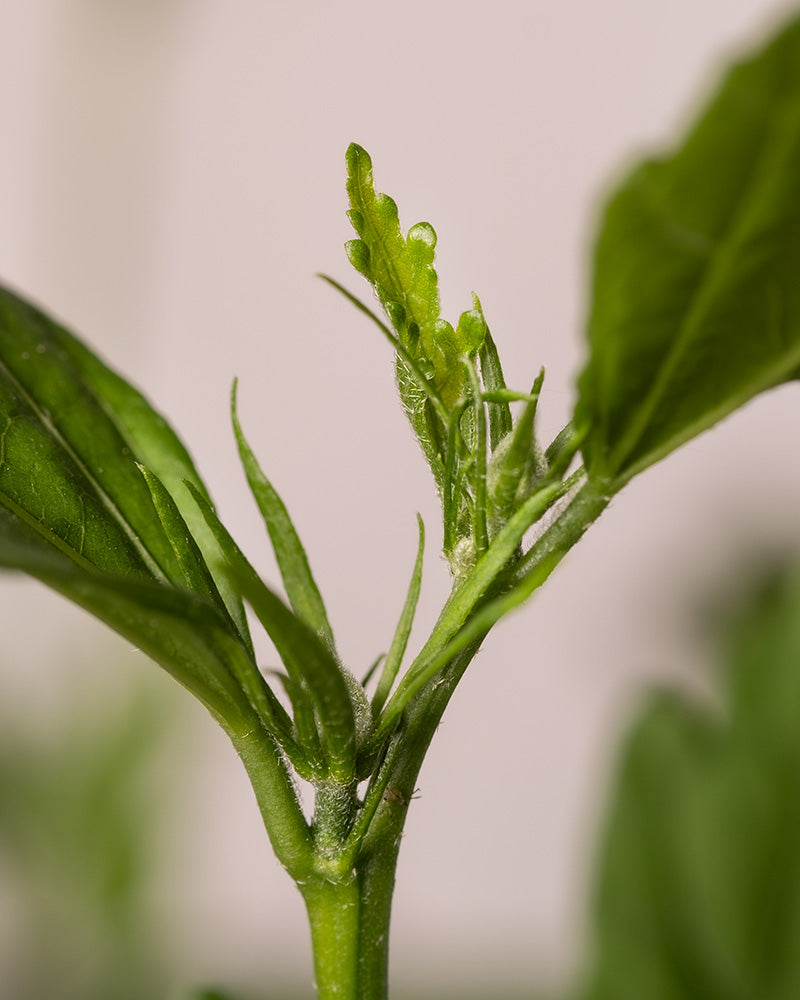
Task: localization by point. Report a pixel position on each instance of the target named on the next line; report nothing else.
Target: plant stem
(350, 927)
(349, 896)
(334, 914)
(286, 826)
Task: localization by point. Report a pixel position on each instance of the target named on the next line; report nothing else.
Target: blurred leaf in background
(698, 889)
(79, 802)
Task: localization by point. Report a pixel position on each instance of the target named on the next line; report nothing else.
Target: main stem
(350, 930)
(349, 906)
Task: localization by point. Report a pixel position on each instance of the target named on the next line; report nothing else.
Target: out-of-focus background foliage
(171, 178)
(698, 885)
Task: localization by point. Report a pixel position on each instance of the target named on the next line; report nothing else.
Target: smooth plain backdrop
(171, 179)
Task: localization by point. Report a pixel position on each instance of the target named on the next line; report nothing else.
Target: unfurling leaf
(401, 270)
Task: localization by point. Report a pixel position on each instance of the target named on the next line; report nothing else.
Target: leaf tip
(357, 159)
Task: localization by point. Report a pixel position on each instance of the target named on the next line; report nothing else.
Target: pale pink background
(171, 178)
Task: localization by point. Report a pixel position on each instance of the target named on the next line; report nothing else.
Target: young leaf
(696, 302)
(422, 384)
(400, 640)
(301, 588)
(401, 270)
(480, 533)
(516, 462)
(500, 422)
(196, 573)
(305, 729)
(467, 597)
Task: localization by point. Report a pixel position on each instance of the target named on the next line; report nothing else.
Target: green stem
(350, 928)
(334, 914)
(348, 891)
(286, 826)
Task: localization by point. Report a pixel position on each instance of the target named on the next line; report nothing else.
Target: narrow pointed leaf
(301, 588)
(196, 573)
(474, 630)
(514, 465)
(696, 302)
(157, 447)
(466, 597)
(305, 728)
(307, 658)
(561, 451)
(500, 422)
(478, 464)
(372, 669)
(422, 384)
(397, 650)
(63, 466)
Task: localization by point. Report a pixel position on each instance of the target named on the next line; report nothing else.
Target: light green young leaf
(480, 530)
(397, 650)
(494, 382)
(301, 588)
(401, 270)
(467, 597)
(696, 302)
(516, 462)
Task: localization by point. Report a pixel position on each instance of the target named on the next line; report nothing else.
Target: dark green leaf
(308, 661)
(72, 434)
(307, 658)
(196, 573)
(181, 631)
(696, 300)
